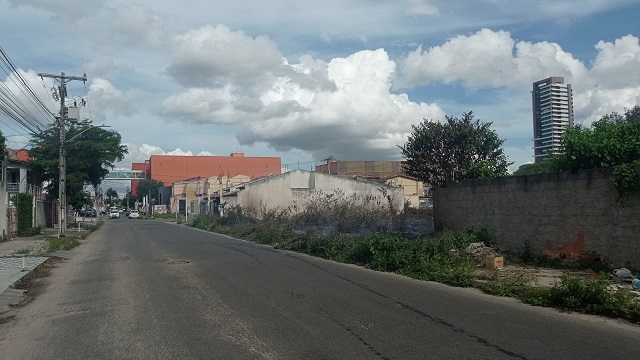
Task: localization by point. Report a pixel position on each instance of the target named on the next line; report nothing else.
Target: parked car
(88, 213)
(134, 214)
(114, 214)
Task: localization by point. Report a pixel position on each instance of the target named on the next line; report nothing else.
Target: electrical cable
(13, 107)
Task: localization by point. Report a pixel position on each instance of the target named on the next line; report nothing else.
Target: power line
(13, 107)
(50, 95)
(86, 93)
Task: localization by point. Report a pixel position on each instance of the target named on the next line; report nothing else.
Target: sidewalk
(18, 257)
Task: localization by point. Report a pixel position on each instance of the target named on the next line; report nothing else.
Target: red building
(171, 168)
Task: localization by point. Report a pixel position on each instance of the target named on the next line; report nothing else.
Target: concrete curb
(13, 296)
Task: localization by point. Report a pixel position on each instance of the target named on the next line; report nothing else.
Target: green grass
(62, 243)
(24, 251)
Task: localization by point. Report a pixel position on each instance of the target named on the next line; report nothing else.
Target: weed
(506, 285)
(62, 243)
(526, 255)
(439, 258)
(30, 231)
(592, 296)
(24, 251)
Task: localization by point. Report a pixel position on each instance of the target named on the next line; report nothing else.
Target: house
(201, 194)
(16, 178)
(171, 168)
(414, 189)
(293, 190)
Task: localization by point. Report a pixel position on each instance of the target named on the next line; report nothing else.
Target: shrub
(390, 253)
(204, 221)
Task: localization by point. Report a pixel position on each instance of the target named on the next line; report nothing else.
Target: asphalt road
(151, 290)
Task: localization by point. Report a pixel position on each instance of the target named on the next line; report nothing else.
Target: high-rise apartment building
(552, 112)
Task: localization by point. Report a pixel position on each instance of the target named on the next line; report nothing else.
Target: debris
(623, 273)
(494, 262)
(614, 287)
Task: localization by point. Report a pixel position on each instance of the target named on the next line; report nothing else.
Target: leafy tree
(111, 194)
(148, 187)
(610, 141)
(539, 167)
(454, 150)
(629, 116)
(130, 198)
(613, 141)
(90, 153)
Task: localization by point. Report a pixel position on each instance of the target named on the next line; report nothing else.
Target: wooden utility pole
(62, 184)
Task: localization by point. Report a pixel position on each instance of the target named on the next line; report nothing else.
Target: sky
(306, 80)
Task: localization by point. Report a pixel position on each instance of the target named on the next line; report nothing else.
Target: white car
(114, 214)
(134, 214)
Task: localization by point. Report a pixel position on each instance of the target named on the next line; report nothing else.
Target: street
(154, 290)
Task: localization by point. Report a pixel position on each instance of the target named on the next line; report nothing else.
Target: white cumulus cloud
(493, 59)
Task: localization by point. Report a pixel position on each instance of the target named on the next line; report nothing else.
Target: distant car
(134, 214)
(88, 213)
(114, 214)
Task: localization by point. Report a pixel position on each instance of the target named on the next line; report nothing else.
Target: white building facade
(293, 190)
(552, 102)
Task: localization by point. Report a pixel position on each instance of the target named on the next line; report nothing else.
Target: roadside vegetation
(170, 216)
(332, 230)
(592, 296)
(62, 243)
(439, 258)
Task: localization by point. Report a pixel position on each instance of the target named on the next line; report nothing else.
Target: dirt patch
(6, 318)
(36, 282)
(535, 276)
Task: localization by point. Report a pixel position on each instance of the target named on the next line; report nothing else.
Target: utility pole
(62, 183)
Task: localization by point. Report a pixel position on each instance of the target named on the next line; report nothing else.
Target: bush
(390, 253)
(204, 221)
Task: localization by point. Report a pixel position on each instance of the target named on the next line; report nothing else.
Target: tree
(148, 187)
(539, 167)
(110, 193)
(454, 150)
(89, 156)
(128, 200)
(613, 141)
(629, 116)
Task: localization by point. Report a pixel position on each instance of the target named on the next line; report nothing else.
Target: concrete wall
(558, 215)
(297, 186)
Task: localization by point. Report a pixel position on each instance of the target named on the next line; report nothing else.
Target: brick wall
(558, 215)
